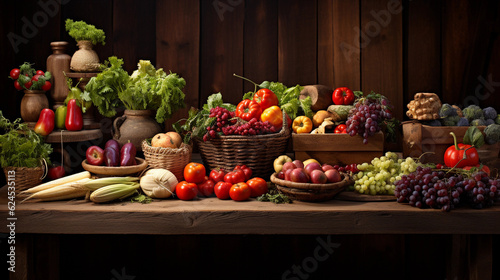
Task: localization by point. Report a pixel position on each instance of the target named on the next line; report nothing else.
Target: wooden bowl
(108, 171)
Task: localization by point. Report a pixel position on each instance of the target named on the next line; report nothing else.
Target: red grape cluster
(353, 168)
(223, 117)
(253, 127)
(436, 189)
(367, 115)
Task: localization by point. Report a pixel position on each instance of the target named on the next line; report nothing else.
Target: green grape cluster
(378, 177)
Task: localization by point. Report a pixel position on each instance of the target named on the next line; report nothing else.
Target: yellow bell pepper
(302, 124)
(273, 115)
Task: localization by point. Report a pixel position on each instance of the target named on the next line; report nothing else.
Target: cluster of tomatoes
(237, 184)
(27, 81)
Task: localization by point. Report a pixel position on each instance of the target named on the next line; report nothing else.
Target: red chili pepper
(341, 128)
(45, 123)
(74, 118)
(454, 155)
(266, 98)
(248, 109)
(343, 96)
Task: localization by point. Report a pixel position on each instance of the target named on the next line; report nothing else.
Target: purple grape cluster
(367, 115)
(253, 127)
(436, 189)
(223, 117)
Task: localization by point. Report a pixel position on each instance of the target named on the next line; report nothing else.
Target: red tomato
(248, 109)
(485, 168)
(14, 73)
(35, 78)
(40, 72)
(240, 192)
(246, 170)
(236, 176)
(206, 188)
(217, 175)
(17, 85)
(186, 191)
(194, 172)
(221, 189)
(266, 98)
(258, 186)
(46, 86)
(27, 85)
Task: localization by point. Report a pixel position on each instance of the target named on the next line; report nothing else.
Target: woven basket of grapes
(255, 151)
(311, 192)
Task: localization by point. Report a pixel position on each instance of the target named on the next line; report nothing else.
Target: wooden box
(337, 148)
(434, 140)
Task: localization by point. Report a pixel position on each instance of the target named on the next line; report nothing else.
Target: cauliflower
(478, 122)
(450, 121)
(463, 122)
(447, 110)
(497, 120)
(433, 123)
(489, 121)
(492, 132)
(473, 112)
(490, 113)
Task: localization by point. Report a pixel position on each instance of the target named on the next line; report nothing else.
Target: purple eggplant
(111, 157)
(127, 155)
(114, 144)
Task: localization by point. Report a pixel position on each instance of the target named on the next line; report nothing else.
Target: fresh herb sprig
(80, 30)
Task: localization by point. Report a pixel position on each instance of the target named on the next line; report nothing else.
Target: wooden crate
(337, 148)
(434, 140)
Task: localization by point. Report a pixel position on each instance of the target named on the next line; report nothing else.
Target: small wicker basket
(257, 152)
(171, 159)
(24, 177)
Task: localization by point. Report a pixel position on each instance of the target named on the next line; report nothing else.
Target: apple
(288, 165)
(298, 163)
(279, 161)
(312, 166)
(281, 175)
(176, 138)
(299, 175)
(287, 174)
(307, 161)
(95, 155)
(318, 177)
(56, 172)
(333, 176)
(326, 167)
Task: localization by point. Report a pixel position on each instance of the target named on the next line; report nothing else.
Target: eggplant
(111, 157)
(114, 144)
(127, 155)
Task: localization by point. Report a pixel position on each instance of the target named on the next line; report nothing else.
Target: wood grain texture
(178, 49)
(326, 24)
(297, 42)
(221, 51)
(347, 45)
(382, 56)
(260, 42)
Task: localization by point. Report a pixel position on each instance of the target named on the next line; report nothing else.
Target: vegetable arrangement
(26, 77)
(146, 89)
(80, 30)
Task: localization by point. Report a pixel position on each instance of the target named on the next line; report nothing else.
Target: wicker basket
(173, 160)
(311, 192)
(257, 152)
(24, 177)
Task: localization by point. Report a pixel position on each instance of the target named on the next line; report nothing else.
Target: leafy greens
(80, 30)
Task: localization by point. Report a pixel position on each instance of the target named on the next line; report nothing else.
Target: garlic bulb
(158, 183)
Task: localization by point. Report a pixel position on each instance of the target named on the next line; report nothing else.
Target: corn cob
(114, 192)
(93, 185)
(58, 182)
(61, 192)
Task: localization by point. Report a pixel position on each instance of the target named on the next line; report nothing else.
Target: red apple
(288, 165)
(312, 166)
(333, 176)
(287, 174)
(95, 155)
(298, 163)
(326, 167)
(299, 175)
(281, 175)
(56, 172)
(318, 177)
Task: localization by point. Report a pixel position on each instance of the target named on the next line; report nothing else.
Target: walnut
(425, 106)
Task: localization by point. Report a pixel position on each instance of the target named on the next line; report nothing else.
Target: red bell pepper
(266, 98)
(74, 118)
(248, 109)
(341, 128)
(460, 155)
(343, 96)
(45, 123)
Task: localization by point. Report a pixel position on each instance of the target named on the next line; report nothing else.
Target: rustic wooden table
(213, 216)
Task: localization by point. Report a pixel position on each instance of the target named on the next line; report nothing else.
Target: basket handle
(45, 168)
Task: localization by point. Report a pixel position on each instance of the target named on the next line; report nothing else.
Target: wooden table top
(214, 216)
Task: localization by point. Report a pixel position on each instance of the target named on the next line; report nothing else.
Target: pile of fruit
(112, 155)
(26, 77)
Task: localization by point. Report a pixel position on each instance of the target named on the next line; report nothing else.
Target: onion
(158, 183)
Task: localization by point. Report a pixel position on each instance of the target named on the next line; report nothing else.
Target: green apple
(279, 161)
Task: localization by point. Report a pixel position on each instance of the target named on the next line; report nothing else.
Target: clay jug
(58, 64)
(85, 59)
(33, 102)
(135, 126)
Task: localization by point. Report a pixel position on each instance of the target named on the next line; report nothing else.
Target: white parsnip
(61, 192)
(58, 182)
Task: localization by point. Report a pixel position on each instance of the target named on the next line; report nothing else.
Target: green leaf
(248, 95)
(473, 136)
